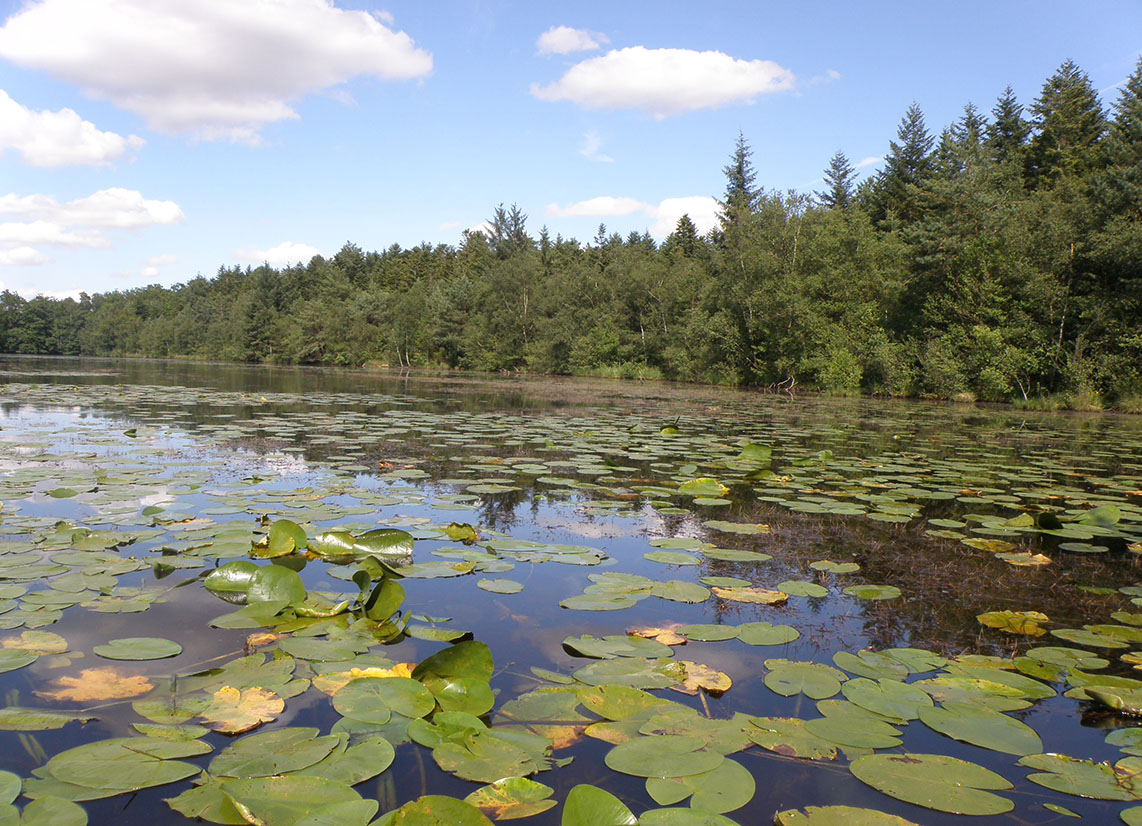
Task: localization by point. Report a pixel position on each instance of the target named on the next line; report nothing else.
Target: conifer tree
(1008, 132)
(908, 164)
(839, 180)
(1119, 188)
(1068, 122)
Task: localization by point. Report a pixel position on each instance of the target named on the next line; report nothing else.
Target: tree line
(1000, 259)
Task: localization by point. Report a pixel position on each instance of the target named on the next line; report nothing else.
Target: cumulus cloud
(161, 260)
(116, 207)
(212, 68)
(665, 82)
(284, 254)
(62, 138)
(592, 143)
(702, 209)
(22, 257)
(42, 220)
(565, 40)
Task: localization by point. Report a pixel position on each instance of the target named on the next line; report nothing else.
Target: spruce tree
(1119, 187)
(908, 165)
(1008, 132)
(1068, 122)
(839, 180)
(741, 196)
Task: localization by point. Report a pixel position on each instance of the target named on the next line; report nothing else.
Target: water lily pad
(233, 711)
(935, 782)
(591, 806)
(984, 727)
(1085, 778)
(500, 586)
(663, 756)
(274, 752)
(764, 633)
(839, 816)
(512, 798)
(138, 648)
(435, 810)
(873, 591)
(788, 678)
(723, 789)
(789, 737)
(291, 799)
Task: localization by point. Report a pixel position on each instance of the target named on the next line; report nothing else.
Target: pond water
(895, 606)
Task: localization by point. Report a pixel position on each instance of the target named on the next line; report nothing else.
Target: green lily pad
(292, 799)
(814, 680)
(512, 798)
(981, 726)
(764, 633)
(935, 782)
(138, 648)
(723, 789)
(839, 816)
(789, 737)
(663, 756)
(435, 810)
(1085, 778)
(591, 806)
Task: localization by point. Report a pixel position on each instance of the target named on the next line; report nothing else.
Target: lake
(303, 596)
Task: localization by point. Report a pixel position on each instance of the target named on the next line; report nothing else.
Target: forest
(999, 259)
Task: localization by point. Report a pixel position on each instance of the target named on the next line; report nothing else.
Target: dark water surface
(185, 463)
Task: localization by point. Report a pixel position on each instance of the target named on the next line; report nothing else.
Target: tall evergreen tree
(908, 164)
(741, 195)
(1007, 135)
(1068, 124)
(839, 179)
(1120, 181)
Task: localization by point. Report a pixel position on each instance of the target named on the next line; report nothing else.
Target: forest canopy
(999, 259)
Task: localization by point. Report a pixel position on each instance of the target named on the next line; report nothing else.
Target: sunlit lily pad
(138, 648)
(512, 798)
(839, 816)
(935, 782)
(984, 727)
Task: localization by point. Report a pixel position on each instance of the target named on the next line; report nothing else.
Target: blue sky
(150, 141)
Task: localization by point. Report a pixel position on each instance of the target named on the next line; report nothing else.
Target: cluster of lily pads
(254, 499)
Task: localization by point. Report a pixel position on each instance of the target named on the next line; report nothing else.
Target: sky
(153, 141)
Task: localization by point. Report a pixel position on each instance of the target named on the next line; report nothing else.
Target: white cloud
(42, 220)
(284, 254)
(149, 272)
(565, 40)
(702, 209)
(62, 138)
(212, 68)
(449, 225)
(592, 143)
(22, 257)
(665, 82)
(601, 207)
(59, 295)
(17, 233)
(114, 208)
(161, 260)
(869, 161)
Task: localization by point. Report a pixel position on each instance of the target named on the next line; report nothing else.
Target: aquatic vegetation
(345, 607)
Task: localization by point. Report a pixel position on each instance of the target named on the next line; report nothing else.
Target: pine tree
(684, 238)
(839, 178)
(1119, 187)
(741, 197)
(907, 166)
(1069, 122)
(1008, 132)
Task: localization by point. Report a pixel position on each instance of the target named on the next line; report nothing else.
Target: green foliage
(999, 263)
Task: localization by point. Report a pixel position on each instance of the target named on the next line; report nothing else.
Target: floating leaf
(435, 810)
(233, 711)
(723, 789)
(935, 782)
(97, 684)
(764, 633)
(1085, 778)
(511, 798)
(980, 726)
(591, 806)
(663, 756)
(274, 752)
(873, 591)
(1029, 623)
(762, 596)
(705, 678)
(839, 816)
(293, 799)
(789, 737)
(138, 648)
(788, 678)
